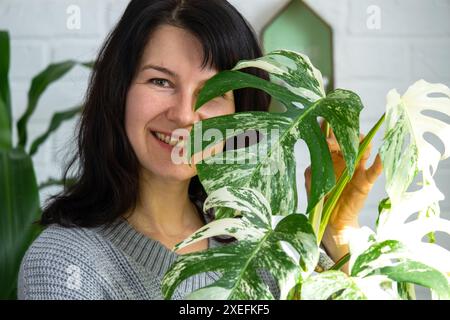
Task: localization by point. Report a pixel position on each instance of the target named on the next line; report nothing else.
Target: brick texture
(413, 42)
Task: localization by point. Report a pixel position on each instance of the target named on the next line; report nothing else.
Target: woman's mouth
(167, 141)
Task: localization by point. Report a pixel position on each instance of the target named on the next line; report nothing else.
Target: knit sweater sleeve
(59, 266)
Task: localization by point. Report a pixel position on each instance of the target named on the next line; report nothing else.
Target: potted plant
(19, 190)
(256, 200)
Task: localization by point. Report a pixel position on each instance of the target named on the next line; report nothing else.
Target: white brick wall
(412, 43)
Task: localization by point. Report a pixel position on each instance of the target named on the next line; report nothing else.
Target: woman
(109, 235)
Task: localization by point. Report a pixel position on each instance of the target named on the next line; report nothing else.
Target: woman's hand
(351, 201)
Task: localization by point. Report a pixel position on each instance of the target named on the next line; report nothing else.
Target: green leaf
(19, 208)
(419, 273)
(406, 291)
(393, 259)
(331, 285)
(89, 64)
(57, 182)
(57, 119)
(341, 262)
(5, 95)
(38, 85)
(270, 165)
(260, 246)
(367, 261)
(293, 69)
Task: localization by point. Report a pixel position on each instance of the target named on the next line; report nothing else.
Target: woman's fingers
(375, 170)
(372, 173)
(333, 145)
(308, 180)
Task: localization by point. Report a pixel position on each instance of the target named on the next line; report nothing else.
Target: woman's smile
(162, 143)
(167, 141)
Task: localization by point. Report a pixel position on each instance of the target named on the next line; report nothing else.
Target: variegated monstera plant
(255, 200)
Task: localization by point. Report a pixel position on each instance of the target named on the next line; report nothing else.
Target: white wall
(412, 43)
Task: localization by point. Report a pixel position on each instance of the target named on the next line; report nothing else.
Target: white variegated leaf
(233, 227)
(385, 263)
(410, 204)
(311, 86)
(326, 285)
(377, 287)
(405, 122)
(242, 199)
(378, 269)
(273, 171)
(260, 247)
(398, 243)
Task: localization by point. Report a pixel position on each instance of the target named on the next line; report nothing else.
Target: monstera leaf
(269, 165)
(406, 122)
(286, 249)
(383, 262)
(376, 273)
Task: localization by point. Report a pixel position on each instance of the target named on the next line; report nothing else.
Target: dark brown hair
(106, 166)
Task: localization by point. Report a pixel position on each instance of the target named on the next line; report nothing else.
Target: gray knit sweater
(109, 262)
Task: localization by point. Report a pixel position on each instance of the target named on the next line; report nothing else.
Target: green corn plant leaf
(5, 95)
(287, 249)
(38, 85)
(57, 119)
(57, 182)
(19, 208)
(269, 165)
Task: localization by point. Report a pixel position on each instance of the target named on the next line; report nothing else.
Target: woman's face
(162, 96)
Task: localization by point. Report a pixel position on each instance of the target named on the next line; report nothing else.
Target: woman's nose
(182, 111)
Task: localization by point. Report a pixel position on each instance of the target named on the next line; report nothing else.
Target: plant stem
(315, 217)
(340, 263)
(336, 192)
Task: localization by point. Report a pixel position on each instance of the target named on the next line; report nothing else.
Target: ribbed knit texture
(114, 262)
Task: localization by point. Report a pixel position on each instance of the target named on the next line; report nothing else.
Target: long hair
(106, 174)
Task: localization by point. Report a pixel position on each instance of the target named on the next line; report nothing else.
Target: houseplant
(255, 202)
(19, 190)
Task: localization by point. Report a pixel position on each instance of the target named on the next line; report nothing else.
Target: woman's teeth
(165, 138)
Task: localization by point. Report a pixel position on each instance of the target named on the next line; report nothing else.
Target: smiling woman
(160, 101)
(108, 236)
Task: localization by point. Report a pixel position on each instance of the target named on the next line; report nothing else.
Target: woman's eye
(159, 82)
